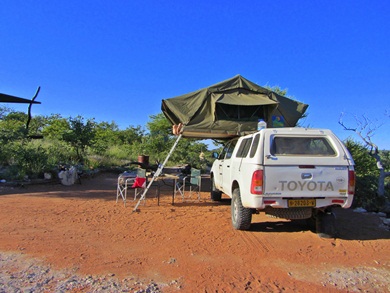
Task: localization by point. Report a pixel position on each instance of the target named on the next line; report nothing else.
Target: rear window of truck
(302, 146)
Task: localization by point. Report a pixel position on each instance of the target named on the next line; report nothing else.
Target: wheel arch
(234, 186)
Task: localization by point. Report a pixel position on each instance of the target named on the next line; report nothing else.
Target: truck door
(225, 164)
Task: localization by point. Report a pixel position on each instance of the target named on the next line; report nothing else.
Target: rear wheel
(241, 216)
(216, 195)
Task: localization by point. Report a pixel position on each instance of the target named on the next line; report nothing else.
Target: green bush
(366, 193)
(29, 159)
(367, 175)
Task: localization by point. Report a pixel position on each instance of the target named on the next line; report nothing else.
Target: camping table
(175, 179)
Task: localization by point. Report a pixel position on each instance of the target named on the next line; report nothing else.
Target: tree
(55, 127)
(105, 136)
(12, 127)
(80, 135)
(366, 173)
(278, 90)
(4, 111)
(160, 139)
(131, 135)
(365, 130)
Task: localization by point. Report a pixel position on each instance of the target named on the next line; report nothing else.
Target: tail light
(338, 201)
(257, 182)
(351, 182)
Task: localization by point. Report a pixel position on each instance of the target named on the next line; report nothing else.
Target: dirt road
(190, 246)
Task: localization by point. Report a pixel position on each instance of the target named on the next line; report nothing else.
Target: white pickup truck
(291, 173)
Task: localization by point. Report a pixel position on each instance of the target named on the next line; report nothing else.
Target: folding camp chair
(136, 181)
(193, 181)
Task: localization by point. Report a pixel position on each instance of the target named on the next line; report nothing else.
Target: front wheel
(241, 216)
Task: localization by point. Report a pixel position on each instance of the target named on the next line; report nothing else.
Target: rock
(360, 210)
(386, 221)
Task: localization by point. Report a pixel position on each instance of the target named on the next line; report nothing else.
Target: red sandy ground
(190, 244)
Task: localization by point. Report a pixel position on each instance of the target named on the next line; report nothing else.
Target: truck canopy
(230, 108)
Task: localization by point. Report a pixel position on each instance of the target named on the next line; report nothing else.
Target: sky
(117, 60)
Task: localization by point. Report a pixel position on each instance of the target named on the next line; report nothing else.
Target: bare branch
(365, 130)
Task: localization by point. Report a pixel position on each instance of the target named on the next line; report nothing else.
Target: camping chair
(193, 180)
(136, 181)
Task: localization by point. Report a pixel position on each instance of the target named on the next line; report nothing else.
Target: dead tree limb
(366, 131)
(29, 108)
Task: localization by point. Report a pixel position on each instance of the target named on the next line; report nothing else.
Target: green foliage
(129, 136)
(59, 153)
(26, 159)
(105, 135)
(364, 164)
(277, 90)
(159, 125)
(77, 140)
(80, 135)
(55, 127)
(11, 131)
(366, 178)
(4, 111)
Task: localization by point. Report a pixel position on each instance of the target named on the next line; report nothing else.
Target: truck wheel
(241, 217)
(326, 224)
(216, 195)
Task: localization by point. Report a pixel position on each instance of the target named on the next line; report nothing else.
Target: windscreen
(301, 146)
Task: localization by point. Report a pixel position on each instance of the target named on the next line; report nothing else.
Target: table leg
(174, 192)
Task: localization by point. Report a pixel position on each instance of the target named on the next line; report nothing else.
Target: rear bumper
(261, 202)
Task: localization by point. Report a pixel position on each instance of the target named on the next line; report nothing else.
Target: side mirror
(215, 155)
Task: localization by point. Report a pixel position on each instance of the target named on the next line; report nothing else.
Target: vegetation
(93, 145)
(367, 173)
(379, 161)
(79, 141)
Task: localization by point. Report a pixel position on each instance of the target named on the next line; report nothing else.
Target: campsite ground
(189, 246)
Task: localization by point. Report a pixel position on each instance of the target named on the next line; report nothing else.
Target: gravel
(22, 274)
(358, 279)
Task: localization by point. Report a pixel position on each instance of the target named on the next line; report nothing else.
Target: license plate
(295, 203)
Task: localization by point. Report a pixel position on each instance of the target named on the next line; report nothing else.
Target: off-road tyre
(241, 217)
(215, 194)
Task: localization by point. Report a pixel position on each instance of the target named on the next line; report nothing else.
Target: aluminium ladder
(158, 172)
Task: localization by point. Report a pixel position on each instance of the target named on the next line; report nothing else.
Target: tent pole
(158, 172)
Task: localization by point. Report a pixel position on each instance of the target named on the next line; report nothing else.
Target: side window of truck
(255, 145)
(244, 148)
(228, 150)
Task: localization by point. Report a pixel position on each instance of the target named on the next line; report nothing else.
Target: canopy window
(238, 112)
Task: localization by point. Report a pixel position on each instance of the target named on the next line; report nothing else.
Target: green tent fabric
(230, 108)
(12, 99)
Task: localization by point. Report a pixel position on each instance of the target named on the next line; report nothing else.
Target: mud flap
(326, 224)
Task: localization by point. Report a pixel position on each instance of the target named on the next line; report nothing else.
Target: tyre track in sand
(256, 241)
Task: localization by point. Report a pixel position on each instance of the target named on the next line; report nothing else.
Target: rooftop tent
(230, 108)
(12, 99)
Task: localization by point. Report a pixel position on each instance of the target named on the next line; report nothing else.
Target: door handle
(270, 157)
